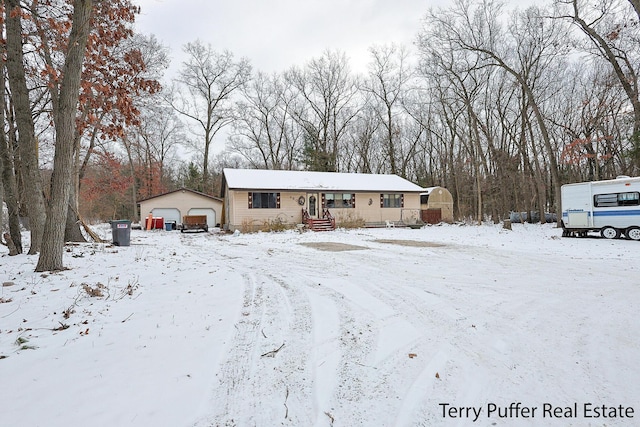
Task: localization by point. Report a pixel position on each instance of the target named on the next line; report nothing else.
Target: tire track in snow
(235, 377)
(325, 354)
(448, 340)
(266, 366)
(361, 375)
(329, 353)
(409, 327)
(328, 350)
(293, 369)
(342, 354)
(407, 306)
(406, 389)
(490, 346)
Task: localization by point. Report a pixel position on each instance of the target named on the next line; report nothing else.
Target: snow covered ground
(443, 326)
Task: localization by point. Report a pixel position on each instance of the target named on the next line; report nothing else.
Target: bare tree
(591, 120)
(388, 79)
(161, 135)
(265, 132)
(326, 107)
(151, 147)
(362, 150)
(524, 52)
(615, 39)
(445, 125)
(209, 79)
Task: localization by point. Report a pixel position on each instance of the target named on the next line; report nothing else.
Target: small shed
(436, 205)
(173, 205)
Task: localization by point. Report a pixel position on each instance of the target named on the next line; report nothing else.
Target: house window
(616, 199)
(264, 200)
(391, 200)
(339, 200)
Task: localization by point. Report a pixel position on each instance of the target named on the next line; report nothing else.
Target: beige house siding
(183, 201)
(367, 209)
(241, 216)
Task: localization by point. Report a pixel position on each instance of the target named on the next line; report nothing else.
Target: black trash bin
(121, 232)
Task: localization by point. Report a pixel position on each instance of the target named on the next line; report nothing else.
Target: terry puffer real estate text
(546, 410)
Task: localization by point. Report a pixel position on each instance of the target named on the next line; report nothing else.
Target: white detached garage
(174, 205)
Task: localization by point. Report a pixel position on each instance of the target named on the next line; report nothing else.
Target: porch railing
(311, 223)
(327, 215)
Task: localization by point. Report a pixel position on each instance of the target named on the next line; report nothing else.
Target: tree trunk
(72, 232)
(1, 195)
(134, 187)
(64, 120)
(24, 121)
(9, 184)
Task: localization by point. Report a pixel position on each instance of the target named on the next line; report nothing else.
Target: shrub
(350, 220)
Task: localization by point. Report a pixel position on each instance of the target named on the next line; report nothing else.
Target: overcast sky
(276, 34)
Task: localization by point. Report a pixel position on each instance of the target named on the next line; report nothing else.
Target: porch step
(320, 225)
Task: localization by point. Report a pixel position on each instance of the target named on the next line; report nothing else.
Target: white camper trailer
(611, 207)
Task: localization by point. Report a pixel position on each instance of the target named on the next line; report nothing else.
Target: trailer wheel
(610, 233)
(633, 233)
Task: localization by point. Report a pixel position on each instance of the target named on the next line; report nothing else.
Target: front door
(312, 205)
